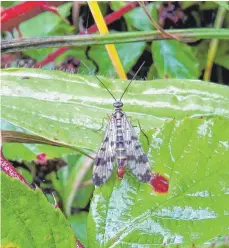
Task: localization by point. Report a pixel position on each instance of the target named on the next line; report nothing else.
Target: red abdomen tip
(159, 183)
(121, 171)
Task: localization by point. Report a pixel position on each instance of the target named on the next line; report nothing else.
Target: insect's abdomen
(120, 147)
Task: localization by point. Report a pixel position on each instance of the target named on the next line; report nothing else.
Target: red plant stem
(79, 245)
(13, 16)
(51, 57)
(8, 168)
(108, 20)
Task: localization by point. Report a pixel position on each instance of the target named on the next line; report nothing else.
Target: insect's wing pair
(105, 158)
(137, 160)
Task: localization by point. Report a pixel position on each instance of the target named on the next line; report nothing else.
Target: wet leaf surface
(193, 154)
(69, 109)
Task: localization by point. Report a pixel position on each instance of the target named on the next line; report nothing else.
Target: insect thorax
(118, 113)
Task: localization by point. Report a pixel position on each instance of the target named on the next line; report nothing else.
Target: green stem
(214, 44)
(124, 37)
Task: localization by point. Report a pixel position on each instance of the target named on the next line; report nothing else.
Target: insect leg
(143, 132)
(98, 130)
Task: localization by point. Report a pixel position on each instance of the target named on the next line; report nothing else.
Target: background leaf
(223, 4)
(29, 220)
(193, 154)
(46, 24)
(221, 57)
(104, 64)
(68, 176)
(78, 223)
(136, 18)
(174, 59)
(60, 106)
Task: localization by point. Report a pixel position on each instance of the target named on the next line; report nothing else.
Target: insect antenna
(100, 81)
(132, 80)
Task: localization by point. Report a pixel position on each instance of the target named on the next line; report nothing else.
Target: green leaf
(193, 154)
(174, 59)
(105, 66)
(222, 57)
(223, 4)
(26, 174)
(29, 220)
(7, 4)
(137, 18)
(69, 109)
(126, 55)
(78, 223)
(43, 24)
(68, 178)
(46, 24)
(152, 73)
(203, 5)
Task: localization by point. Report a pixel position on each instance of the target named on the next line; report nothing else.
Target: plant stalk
(124, 37)
(214, 44)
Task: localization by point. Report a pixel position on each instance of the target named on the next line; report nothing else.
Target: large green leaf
(69, 108)
(193, 154)
(29, 220)
(174, 59)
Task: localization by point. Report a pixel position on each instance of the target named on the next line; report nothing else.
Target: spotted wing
(137, 160)
(105, 158)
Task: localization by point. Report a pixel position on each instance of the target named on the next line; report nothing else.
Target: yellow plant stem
(95, 10)
(213, 44)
